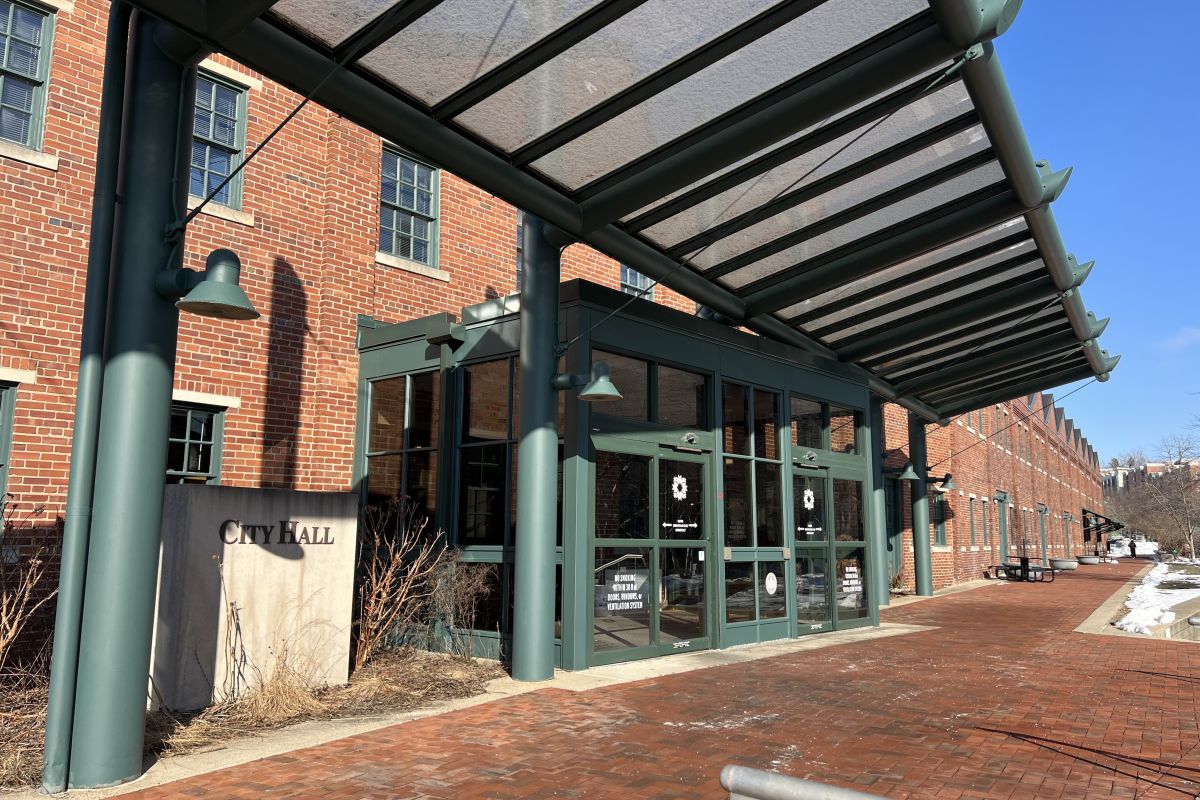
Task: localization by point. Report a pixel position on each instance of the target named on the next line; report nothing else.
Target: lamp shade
(909, 474)
(947, 483)
(219, 294)
(600, 388)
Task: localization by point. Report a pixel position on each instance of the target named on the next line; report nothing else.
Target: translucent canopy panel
(936, 112)
(934, 164)
(630, 49)
(460, 40)
(845, 176)
(773, 263)
(331, 23)
(964, 335)
(981, 251)
(827, 31)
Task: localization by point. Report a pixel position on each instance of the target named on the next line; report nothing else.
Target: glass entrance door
(650, 534)
(830, 533)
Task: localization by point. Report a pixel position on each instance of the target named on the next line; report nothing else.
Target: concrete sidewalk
(990, 694)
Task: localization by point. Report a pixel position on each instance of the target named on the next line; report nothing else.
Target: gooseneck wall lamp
(945, 483)
(597, 387)
(215, 292)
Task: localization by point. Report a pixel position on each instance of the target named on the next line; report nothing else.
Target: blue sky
(1114, 91)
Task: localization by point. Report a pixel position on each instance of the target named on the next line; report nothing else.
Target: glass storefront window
(485, 401)
(681, 614)
(766, 424)
(682, 398)
(483, 486)
(622, 599)
(632, 377)
(425, 421)
(622, 496)
(812, 590)
(739, 592)
(851, 578)
(848, 510)
(808, 507)
(768, 501)
(735, 419)
(843, 430)
(737, 503)
(772, 580)
(387, 415)
(807, 424)
(681, 499)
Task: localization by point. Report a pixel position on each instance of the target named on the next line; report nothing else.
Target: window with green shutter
(194, 445)
(24, 69)
(971, 516)
(939, 519)
(218, 139)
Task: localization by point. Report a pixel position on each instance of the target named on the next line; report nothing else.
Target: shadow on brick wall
(285, 377)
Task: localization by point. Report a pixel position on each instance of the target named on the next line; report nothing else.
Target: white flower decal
(679, 487)
(810, 499)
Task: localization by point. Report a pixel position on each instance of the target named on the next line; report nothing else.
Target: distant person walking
(1132, 549)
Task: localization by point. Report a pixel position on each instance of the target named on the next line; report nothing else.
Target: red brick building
(305, 219)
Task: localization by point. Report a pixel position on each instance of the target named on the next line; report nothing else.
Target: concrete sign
(250, 577)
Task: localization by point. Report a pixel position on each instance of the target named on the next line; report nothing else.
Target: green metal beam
(878, 516)
(922, 550)
(806, 233)
(537, 460)
(830, 132)
(632, 96)
(800, 104)
(930, 361)
(945, 288)
(581, 27)
(397, 18)
(879, 342)
(122, 564)
(816, 188)
(1036, 384)
(1059, 359)
(959, 339)
(224, 17)
(869, 291)
(985, 363)
(64, 660)
(891, 246)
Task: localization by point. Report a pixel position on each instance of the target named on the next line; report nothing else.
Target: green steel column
(878, 516)
(922, 557)
(65, 656)
(537, 479)
(119, 593)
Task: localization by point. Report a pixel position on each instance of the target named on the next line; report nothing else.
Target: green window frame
(218, 139)
(987, 536)
(26, 43)
(8, 402)
(939, 519)
(520, 247)
(194, 444)
(403, 440)
(971, 516)
(752, 454)
(637, 284)
(408, 208)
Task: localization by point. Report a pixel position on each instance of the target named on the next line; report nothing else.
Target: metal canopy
(847, 177)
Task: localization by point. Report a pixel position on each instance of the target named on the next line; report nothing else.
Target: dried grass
(394, 681)
(23, 721)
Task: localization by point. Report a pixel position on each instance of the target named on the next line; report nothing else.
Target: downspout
(60, 710)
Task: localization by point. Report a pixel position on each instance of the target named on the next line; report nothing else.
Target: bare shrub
(23, 696)
(458, 591)
(23, 568)
(399, 564)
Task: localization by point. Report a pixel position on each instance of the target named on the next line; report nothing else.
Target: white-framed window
(634, 282)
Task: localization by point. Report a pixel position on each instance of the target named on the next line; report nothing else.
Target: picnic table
(1032, 573)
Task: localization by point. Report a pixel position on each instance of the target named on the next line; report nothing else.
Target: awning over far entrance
(846, 177)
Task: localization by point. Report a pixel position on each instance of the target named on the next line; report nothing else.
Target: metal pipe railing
(746, 783)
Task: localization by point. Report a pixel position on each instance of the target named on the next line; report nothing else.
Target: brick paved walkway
(1003, 700)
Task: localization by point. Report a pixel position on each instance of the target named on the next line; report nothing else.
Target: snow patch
(1150, 605)
(1120, 548)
